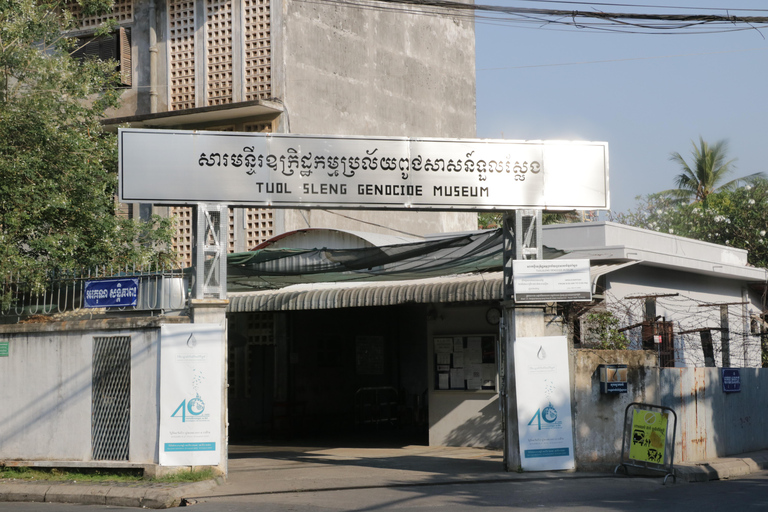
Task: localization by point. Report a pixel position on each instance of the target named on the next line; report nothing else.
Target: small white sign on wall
(544, 403)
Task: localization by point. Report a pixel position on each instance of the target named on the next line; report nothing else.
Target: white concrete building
(288, 66)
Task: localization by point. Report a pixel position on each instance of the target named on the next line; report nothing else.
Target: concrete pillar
(518, 322)
(214, 311)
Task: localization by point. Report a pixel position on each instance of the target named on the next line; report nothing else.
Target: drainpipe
(152, 58)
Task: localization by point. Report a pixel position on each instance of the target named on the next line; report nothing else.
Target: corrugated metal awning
(471, 287)
(457, 288)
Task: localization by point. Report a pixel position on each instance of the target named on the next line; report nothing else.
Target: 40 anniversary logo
(194, 407)
(549, 415)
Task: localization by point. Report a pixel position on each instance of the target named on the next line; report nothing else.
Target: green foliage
(490, 220)
(736, 218)
(100, 475)
(197, 475)
(706, 172)
(603, 331)
(76, 475)
(57, 166)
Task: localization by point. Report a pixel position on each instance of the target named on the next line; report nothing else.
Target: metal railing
(159, 289)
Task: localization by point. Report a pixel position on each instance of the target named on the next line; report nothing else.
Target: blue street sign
(731, 380)
(111, 293)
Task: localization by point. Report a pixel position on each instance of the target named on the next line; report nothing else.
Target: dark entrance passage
(335, 377)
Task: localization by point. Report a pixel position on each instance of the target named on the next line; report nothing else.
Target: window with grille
(217, 62)
(219, 52)
(181, 20)
(183, 239)
(258, 50)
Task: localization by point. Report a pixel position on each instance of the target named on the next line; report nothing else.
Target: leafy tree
(602, 331)
(733, 217)
(57, 166)
(706, 172)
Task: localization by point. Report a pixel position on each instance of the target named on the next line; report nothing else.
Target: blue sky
(656, 94)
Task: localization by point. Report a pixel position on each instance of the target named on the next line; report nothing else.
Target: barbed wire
(689, 317)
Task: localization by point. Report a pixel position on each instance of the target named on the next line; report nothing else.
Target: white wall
(461, 418)
(46, 385)
(349, 70)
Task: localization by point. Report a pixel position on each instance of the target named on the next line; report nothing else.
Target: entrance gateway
(211, 170)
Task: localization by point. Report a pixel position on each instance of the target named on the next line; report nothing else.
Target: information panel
(298, 171)
(551, 280)
(190, 394)
(544, 403)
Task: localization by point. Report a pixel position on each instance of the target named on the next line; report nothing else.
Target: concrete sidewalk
(255, 470)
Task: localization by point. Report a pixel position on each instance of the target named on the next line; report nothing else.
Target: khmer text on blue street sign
(731, 380)
(111, 293)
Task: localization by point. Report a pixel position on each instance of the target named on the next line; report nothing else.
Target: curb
(722, 469)
(138, 497)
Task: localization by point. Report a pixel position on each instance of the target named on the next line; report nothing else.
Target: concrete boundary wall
(598, 418)
(710, 423)
(46, 386)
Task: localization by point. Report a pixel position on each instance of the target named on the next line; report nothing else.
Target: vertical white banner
(544, 403)
(190, 394)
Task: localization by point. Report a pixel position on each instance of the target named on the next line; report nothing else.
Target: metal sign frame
(668, 464)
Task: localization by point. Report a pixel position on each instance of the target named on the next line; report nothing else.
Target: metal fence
(162, 290)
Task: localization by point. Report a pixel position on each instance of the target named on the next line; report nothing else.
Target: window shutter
(124, 49)
(116, 46)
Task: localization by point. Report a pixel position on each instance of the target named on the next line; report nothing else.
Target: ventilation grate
(111, 398)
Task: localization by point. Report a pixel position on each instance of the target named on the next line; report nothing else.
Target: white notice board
(551, 280)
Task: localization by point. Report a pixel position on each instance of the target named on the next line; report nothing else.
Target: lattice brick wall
(181, 14)
(259, 222)
(122, 11)
(243, 370)
(258, 227)
(264, 127)
(258, 52)
(260, 329)
(183, 239)
(219, 52)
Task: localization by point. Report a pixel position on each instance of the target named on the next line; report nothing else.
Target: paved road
(603, 494)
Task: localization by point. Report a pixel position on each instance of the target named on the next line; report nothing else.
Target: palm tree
(709, 168)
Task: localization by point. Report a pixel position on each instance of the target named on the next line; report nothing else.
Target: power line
(626, 59)
(594, 20)
(677, 7)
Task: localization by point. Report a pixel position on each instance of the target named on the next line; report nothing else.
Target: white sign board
(543, 403)
(190, 394)
(551, 280)
(295, 171)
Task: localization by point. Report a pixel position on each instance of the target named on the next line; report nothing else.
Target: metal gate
(111, 397)
(666, 348)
